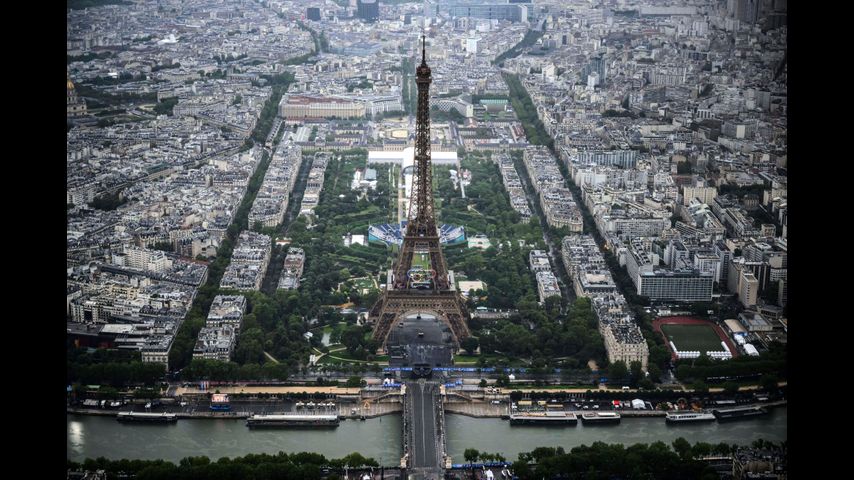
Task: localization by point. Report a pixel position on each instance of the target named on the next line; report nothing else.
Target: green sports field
(421, 260)
(692, 337)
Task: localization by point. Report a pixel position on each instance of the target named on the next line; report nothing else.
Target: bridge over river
(422, 341)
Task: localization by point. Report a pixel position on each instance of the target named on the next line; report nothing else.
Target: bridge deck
(425, 447)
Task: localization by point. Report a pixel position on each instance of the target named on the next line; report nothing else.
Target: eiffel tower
(425, 287)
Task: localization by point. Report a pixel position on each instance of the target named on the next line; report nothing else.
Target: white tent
(751, 350)
(638, 404)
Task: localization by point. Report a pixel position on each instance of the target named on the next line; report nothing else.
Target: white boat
(600, 417)
(679, 417)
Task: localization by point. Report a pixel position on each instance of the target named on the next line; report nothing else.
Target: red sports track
(658, 322)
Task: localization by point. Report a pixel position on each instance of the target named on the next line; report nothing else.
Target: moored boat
(292, 420)
(738, 413)
(543, 418)
(146, 417)
(689, 417)
(596, 418)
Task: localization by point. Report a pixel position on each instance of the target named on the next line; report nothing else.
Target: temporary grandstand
(392, 234)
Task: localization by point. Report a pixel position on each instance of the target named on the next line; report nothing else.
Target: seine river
(93, 436)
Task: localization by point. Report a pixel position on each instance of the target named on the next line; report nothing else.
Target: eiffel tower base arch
(448, 306)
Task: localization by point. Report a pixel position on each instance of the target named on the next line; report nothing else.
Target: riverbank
(247, 390)
(191, 415)
(485, 410)
(374, 410)
(349, 411)
(559, 389)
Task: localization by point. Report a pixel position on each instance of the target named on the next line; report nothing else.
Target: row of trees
(86, 57)
(122, 78)
(451, 115)
(109, 367)
(321, 43)
(185, 340)
(81, 4)
(99, 98)
(527, 112)
(165, 106)
(773, 362)
(220, 59)
(410, 92)
(108, 201)
(296, 466)
(473, 455)
(679, 460)
(280, 84)
(203, 369)
(115, 374)
(530, 38)
(604, 461)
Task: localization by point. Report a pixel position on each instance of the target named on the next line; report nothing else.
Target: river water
(380, 438)
(498, 436)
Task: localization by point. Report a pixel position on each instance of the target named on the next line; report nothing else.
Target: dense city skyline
(606, 202)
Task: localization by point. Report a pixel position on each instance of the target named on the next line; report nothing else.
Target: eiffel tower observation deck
(419, 282)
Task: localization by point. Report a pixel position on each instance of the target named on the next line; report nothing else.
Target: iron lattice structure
(419, 289)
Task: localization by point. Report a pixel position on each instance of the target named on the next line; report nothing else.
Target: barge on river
(146, 417)
(543, 418)
(600, 418)
(738, 413)
(291, 421)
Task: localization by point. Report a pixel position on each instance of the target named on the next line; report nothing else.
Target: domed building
(76, 107)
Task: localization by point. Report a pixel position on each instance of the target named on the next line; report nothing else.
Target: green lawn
(421, 259)
(693, 337)
(465, 359)
(363, 282)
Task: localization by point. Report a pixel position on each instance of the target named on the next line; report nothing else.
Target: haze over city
(438, 239)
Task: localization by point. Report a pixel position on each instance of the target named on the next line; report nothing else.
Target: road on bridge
(424, 461)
